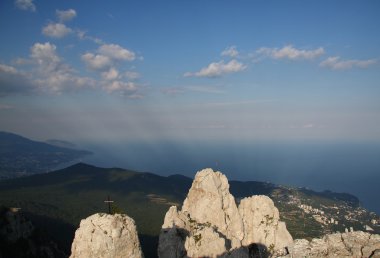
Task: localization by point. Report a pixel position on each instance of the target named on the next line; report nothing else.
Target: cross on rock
(108, 201)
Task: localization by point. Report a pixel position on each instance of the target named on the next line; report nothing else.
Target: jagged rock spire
(210, 223)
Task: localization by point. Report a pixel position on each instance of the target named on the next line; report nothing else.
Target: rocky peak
(105, 235)
(209, 201)
(210, 223)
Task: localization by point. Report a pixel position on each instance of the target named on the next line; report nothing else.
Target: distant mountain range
(20, 156)
(57, 201)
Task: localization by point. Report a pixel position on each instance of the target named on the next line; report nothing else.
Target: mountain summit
(211, 224)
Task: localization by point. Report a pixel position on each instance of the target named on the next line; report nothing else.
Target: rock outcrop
(20, 238)
(211, 224)
(105, 235)
(261, 220)
(351, 244)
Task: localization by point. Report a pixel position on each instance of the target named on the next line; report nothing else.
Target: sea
(337, 166)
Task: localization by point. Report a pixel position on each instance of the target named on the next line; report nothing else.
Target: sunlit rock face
(262, 224)
(351, 244)
(105, 235)
(211, 224)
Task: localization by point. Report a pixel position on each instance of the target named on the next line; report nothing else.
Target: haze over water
(342, 167)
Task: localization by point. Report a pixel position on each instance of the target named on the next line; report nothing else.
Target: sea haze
(343, 167)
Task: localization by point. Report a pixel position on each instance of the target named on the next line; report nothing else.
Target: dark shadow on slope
(20, 237)
(149, 245)
(61, 232)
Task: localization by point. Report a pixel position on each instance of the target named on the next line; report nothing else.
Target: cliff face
(104, 235)
(211, 224)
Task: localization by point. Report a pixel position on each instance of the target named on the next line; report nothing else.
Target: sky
(190, 70)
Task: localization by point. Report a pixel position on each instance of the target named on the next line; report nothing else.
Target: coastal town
(322, 215)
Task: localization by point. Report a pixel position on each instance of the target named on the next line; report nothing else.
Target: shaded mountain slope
(20, 156)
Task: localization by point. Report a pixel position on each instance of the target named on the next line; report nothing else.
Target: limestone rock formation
(261, 223)
(210, 223)
(351, 244)
(209, 201)
(104, 235)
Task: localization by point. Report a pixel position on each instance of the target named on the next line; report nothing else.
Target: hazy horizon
(88, 70)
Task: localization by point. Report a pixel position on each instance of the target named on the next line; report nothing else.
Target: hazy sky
(152, 70)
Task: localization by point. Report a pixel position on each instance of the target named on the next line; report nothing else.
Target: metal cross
(109, 204)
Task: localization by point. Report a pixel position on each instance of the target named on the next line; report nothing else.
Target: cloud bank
(56, 30)
(335, 63)
(218, 69)
(290, 52)
(26, 5)
(66, 15)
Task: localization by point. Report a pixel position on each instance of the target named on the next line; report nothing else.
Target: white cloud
(96, 62)
(48, 73)
(26, 5)
(106, 55)
(56, 30)
(82, 35)
(66, 15)
(8, 69)
(13, 81)
(51, 74)
(230, 51)
(127, 88)
(107, 61)
(289, 52)
(131, 75)
(45, 55)
(116, 52)
(218, 69)
(336, 64)
(111, 74)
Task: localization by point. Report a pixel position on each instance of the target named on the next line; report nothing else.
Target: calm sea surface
(342, 167)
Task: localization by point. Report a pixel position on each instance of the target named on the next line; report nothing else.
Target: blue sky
(157, 70)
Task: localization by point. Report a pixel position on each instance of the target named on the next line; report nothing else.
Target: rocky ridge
(211, 224)
(351, 244)
(106, 236)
